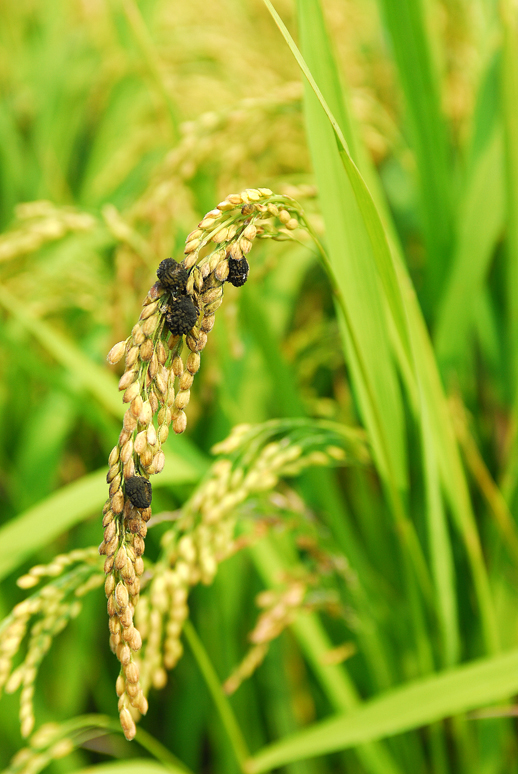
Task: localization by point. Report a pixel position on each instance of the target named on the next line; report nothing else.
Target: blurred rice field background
(380, 578)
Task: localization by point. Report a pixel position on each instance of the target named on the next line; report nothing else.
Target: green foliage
(396, 328)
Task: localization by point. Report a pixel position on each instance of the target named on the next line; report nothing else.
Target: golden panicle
(178, 311)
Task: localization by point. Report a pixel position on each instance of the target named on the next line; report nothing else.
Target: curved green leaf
(479, 231)
(412, 47)
(413, 705)
(134, 766)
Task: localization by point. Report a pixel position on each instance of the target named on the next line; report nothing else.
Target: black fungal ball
(173, 276)
(139, 491)
(181, 315)
(238, 272)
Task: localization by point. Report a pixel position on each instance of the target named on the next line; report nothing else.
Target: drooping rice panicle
(162, 357)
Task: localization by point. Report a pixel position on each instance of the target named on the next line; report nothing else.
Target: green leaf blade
(411, 706)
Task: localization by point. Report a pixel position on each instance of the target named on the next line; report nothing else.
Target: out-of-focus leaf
(412, 47)
(509, 78)
(480, 228)
(133, 766)
(98, 381)
(410, 706)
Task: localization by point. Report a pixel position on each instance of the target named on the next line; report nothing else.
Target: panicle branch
(206, 534)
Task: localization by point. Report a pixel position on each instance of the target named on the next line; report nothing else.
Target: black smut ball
(173, 276)
(237, 272)
(139, 491)
(181, 315)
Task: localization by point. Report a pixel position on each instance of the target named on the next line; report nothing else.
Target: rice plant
(329, 576)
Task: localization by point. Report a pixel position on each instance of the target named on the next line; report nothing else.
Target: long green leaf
(414, 705)
(98, 381)
(480, 229)
(354, 270)
(450, 467)
(315, 40)
(443, 568)
(509, 90)
(412, 50)
(422, 358)
(347, 205)
(372, 220)
(314, 641)
(509, 86)
(133, 766)
(219, 698)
